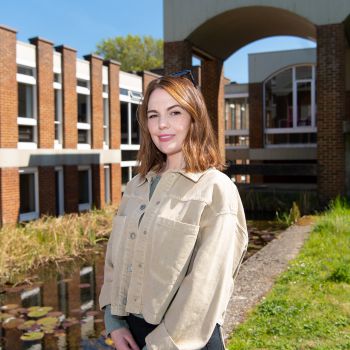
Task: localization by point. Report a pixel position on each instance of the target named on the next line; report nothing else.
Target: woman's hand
(123, 339)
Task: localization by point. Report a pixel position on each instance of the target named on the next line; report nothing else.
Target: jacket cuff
(159, 339)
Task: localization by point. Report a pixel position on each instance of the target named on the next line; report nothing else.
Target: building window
(107, 175)
(29, 194)
(58, 110)
(84, 114)
(85, 188)
(290, 107)
(59, 191)
(27, 107)
(130, 134)
(237, 122)
(106, 129)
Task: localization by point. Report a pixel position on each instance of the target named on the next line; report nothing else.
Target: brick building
(68, 129)
(213, 31)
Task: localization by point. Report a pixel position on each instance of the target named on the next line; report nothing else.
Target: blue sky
(82, 24)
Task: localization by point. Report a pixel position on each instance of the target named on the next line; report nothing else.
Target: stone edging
(258, 273)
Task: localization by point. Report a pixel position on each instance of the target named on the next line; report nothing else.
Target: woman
(179, 235)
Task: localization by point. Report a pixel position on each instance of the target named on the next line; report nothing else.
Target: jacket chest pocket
(172, 245)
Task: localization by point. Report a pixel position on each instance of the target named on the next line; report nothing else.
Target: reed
(28, 246)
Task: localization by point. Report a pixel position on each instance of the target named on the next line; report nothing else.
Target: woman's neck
(174, 162)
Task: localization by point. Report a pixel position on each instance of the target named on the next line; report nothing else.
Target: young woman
(180, 233)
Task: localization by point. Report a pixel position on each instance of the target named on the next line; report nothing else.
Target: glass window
(25, 100)
(84, 186)
(25, 70)
(135, 136)
(107, 184)
(83, 83)
(106, 121)
(25, 133)
(83, 116)
(304, 103)
(124, 112)
(279, 100)
(58, 115)
(27, 193)
(83, 136)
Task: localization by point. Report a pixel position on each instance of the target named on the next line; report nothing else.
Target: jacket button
(124, 301)
(132, 235)
(129, 268)
(142, 206)
(145, 232)
(157, 202)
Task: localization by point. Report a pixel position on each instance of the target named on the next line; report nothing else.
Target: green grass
(50, 239)
(309, 305)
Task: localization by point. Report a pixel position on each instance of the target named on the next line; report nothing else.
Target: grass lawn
(309, 305)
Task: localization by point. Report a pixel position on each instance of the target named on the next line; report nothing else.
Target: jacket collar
(189, 175)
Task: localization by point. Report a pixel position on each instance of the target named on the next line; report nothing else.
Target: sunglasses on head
(185, 74)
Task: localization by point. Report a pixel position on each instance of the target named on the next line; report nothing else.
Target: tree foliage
(135, 53)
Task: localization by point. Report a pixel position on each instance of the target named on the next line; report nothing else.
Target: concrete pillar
(331, 48)
(45, 92)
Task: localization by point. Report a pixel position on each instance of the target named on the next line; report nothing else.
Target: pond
(62, 303)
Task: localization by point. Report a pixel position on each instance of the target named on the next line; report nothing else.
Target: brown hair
(200, 148)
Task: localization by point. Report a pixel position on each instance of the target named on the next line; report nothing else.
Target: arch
(222, 35)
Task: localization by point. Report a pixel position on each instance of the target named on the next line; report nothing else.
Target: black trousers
(139, 328)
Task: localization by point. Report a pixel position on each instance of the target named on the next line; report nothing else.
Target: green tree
(135, 53)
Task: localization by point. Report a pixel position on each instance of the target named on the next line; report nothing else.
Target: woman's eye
(152, 116)
(175, 113)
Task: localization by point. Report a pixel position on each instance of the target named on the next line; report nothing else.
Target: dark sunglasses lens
(185, 73)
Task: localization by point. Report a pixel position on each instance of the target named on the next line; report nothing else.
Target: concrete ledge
(258, 274)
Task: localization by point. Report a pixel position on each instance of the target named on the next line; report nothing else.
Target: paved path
(258, 273)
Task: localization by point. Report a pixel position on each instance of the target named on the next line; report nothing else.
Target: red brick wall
(98, 186)
(116, 180)
(177, 56)
(8, 89)
(47, 193)
(71, 188)
(9, 195)
(331, 45)
(96, 100)
(213, 91)
(256, 118)
(147, 77)
(114, 103)
(45, 93)
(256, 123)
(69, 97)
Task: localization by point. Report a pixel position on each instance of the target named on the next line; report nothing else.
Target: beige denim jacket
(178, 266)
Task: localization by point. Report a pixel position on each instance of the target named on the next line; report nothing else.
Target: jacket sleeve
(205, 291)
(105, 294)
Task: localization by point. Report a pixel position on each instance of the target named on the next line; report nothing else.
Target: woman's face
(168, 123)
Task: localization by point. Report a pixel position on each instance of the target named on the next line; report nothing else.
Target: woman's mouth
(165, 137)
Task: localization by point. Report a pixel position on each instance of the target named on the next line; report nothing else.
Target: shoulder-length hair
(200, 148)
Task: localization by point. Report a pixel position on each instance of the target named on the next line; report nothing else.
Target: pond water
(70, 291)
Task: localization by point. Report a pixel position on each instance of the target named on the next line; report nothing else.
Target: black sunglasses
(186, 74)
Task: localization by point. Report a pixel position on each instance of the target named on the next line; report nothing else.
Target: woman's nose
(163, 122)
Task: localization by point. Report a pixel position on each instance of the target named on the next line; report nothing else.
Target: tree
(135, 53)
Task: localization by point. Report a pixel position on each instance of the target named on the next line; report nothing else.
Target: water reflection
(72, 290)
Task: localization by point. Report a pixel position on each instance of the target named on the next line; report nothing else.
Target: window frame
(57, 86)
(88, 205)
(60, 209)
(33, 214)
(106, 117)
(84, 126)
(26, 121)
(295, 129)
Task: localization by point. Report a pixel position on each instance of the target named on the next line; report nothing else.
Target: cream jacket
(178, 266)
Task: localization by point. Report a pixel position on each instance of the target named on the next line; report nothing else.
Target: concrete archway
(215, 30)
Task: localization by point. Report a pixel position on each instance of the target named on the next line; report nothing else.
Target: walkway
(258, 273)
